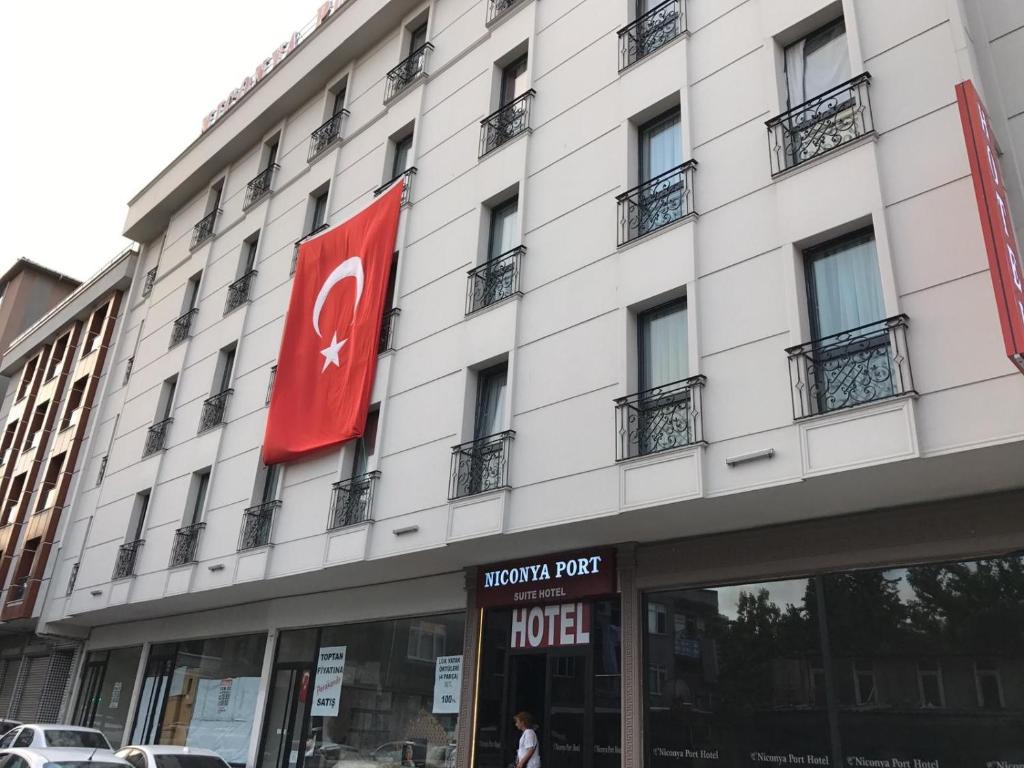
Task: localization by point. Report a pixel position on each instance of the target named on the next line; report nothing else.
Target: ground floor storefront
(35, 675)
(890, 638)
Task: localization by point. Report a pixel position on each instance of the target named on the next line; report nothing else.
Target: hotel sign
(268, 65)
(1006, 264)
(547, 579)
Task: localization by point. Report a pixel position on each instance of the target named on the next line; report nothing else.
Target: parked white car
(166, 756)
(24, 757)
(55, 736)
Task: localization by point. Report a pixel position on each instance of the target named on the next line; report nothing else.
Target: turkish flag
(331, 335)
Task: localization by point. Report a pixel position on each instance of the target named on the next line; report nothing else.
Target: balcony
(325, 136)
(820, 125)
(498, 8)
(659, 419)
(147, 286)
(213, 411)
(656, 203)
(156, 436)
(256, 525)
(387, 331)
(494, 281)
(300, 241)
(238, 291)
(259, 187)
(508, 122)
(862, 365)
(352, 501)
(203, 230)
(480, 465)
(406, 72)
(124, 565)
(182, 328)
(649, 32)
(406, 192)
(183, 549)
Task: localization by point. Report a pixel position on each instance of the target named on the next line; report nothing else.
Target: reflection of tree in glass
(865, 613)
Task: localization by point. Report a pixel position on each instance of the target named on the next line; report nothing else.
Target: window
(36, 426)
(267, 483)
(417, 38)
(844, 289)
(503, 233)
(929, 679)
(213, 200)
(817, 63)
(660, 144)
(8, 441)
(137, 523)
(319, 213)
(513, 81)
(93, 333)
(14, 499)
(662, 343)
(249, 249)
(225, 369)
(339, 102)
(426, 640)
(166, 406)
(57, 356)
(200, 485)
(8, 738)
(24, 738)
(864, 683)
(656, 678)
(192, 292)
(490, 402)
(403, 149)
(989, 685)
(365, 445)
(272, 150)
(26, 378)
(75, 398)
(48, 492)
(657, 619)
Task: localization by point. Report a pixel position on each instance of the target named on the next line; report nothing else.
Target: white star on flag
(331, 352)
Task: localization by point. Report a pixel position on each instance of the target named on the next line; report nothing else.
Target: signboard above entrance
(555, 578)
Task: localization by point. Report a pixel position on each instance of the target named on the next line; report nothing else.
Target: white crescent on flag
(351, 267)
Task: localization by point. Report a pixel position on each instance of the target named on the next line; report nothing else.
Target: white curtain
(795, 73)
(847, 288)
(664, 355)
(491, 409)
(661, 148)
(817, 64)
(504, 232)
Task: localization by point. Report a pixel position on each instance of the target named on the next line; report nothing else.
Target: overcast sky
(99, 97)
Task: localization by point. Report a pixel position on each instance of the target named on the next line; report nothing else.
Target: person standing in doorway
(527, 755)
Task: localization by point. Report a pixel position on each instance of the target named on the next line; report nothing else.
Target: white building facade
(693, 432)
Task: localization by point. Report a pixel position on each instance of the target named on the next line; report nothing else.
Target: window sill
(648, 56)
(407, 88)
(515, 297)
(839, 413)
(870, 136)
(659, 231)
(492, 152)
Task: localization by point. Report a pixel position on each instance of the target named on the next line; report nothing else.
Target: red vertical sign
(1004, 256)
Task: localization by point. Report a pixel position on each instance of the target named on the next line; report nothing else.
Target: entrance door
(287, 713)
(150, 713)
(553, 686)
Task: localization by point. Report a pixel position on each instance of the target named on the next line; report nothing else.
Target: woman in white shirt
(527, 755)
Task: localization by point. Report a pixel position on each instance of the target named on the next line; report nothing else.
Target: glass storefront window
(918, 667)
(202, 693)
(573, 691)
(386, 708)
(108, 683)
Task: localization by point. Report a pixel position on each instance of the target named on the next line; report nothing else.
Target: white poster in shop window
(330, 671)
(447, 684)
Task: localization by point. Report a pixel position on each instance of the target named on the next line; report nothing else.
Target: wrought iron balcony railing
(259, 187)
(238, 291)
(301, 240)
(495, 280)
(406, 72)
(182, 327)
(183, 549)
(147, 286)
(128, 369)
(156, 436)
(324, 137)
(821, 124)
(408, 173)
(505, 124)
(480, 465)
(352, 501)
(656, 203)
(498, 8)
(127, 554)
(651, 31)
(387, 331)
(256, 525)
(17, 591)
(862, 365)
(203, 230)
(213, 410)
(71, 581)
(659, 419)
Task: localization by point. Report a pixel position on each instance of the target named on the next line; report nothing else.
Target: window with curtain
(402, 150)
(817, 63)
(660, 145)
(513, 81)
(843, 284)
(662, 344)
(490, 405)
(504, 230)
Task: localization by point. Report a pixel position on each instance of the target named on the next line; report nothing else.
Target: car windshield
(188, 761)
(87, 739)
(81, 764)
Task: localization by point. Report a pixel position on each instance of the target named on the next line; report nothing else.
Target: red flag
(328, 352)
